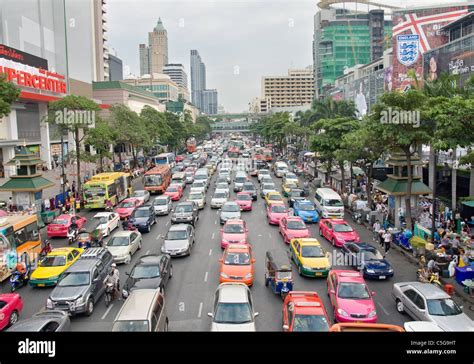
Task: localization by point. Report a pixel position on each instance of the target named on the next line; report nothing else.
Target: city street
(189, 294)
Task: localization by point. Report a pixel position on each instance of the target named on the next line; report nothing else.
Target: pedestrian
(10, 204)
(376, 228)
(73, 187)
(381, 235)
(387, 238)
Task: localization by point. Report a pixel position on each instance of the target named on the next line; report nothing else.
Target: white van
(144, 310)
(328, 203)
(280, 169)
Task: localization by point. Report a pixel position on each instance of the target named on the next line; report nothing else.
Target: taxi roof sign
(350, 274)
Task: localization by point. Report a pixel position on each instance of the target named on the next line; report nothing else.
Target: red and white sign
(33, 78)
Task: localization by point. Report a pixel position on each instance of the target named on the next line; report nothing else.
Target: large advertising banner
(415, 32)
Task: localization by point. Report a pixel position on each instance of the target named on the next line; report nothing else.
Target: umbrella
(3, 213)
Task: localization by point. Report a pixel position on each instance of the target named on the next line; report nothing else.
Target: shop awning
(309, 154)
(469, 203)
(26, 184)
(399, 187)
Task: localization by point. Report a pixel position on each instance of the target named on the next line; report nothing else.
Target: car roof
(337, 221)
(183, 203)
(365, 246)
(306, 302)
(344, 275)
(123, 233)
(104, 214)
(61, 251)
(235, 222)
(233, 292)
(178, 227)
(162, 197)
(230, 203)
(309, 241)
(238, 247)
(137, 299)
(83, 265)
(151, 259)
(327, 192)
(294, 218)
(429, 291)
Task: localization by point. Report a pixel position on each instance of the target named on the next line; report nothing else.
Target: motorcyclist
(74, 227)
(117, 275)
(22, 269)
(112, 279)
(108, 205)
(46, 248)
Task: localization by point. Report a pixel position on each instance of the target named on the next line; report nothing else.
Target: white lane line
(205, 276)
(259, 234)
(270, 235)
(167, 223)
(158, 237)
(215, 222)
(383, 309)
(107, 312)
(200, 310)
(147, 252)
(210, 252)
(213, 236)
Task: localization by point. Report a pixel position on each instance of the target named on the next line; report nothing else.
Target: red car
(275, 212)
(127, 206)
(338, 232)
(11, 305)
(293, 227)
(350, 297)
(235, 231)
(179, 158)
(174, 191)
(244, 200)
(60, 225)
(304, 311)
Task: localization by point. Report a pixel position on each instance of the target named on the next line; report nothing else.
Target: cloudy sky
(239, 40)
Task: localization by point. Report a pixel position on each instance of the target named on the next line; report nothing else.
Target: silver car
(426, 302)
(162, 205)
(179, 240)
(229, 210)
(45, 321)
(142, 195)
(261, 173)
(198, 197)
(267, 187)
(123, 245)
(220, 197)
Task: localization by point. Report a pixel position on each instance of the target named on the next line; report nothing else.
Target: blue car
(143, 218)
(368, 259)
(306, 210)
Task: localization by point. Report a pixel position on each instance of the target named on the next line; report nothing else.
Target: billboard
(415, 32)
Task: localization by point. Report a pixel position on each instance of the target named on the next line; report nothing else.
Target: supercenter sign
(28, 76)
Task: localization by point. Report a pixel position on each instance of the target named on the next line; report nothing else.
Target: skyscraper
(178, 75)
(209, 102)
(198, 79)
(154, 56)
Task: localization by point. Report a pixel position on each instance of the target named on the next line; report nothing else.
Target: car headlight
(223, 275)
(79, 300)
(49, 303)
(341, 312)
(390, 270)
(55, 278)
(372, 313)
(248, 275)
(242, 241)
(306, 267)
(371, 271)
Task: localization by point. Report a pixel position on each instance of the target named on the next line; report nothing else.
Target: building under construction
(354, 32)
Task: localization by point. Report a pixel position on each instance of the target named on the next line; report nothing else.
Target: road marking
(158, 237)
(167, 223)
(147, 252)
(200, 310)
(213, 236)
(270, 235)
(259, 234)
(210, 252)
(205, 276)
(215, 222)
(107, 312)
(383, 309)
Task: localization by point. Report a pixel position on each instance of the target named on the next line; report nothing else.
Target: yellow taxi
(310, 257)
(287, 187)
(53, 265)
(273, 197)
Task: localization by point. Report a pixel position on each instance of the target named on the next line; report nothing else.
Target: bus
(158, 179)
(19, 239)
(191, 145)
(114, 186)
(267, 154)
(165, 158)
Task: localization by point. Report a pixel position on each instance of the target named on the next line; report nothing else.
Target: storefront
(24, 126)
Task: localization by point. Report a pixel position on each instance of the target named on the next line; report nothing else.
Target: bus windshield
(153, 180)
(94, 191)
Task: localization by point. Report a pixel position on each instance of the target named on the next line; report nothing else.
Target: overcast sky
(239, 40)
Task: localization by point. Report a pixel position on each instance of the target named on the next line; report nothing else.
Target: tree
(101, 137)
(8, 95)
(66, 113)
(156, 125)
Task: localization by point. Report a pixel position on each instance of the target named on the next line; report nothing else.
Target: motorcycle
(127, 225)
(71, 236)
(110, 293)
(46, 249)
(356, 216)
(425, 276)
(18, 280)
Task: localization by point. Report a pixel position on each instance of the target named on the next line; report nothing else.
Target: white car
(261, 173)
(142, 195)
(123, 245)
(162, 205)
(198, 186)
(220, 197)
(198, 197)
(225, 173)
(290, 177)
(233, 308)
(107, 222)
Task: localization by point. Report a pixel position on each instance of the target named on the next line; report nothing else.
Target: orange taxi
(237, 264)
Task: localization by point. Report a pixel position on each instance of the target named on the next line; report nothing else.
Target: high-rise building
(159, 84)
(294, 89)
(344, 38)
(198, 78)
(209, 101)
(99, 34)
(154, 56)
(178, 75)
(115, 67)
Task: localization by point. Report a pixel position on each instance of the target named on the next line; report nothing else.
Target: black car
(368, 259)
(250, 187)
(143, 218)
(151, 271)
(296, 194)
(185, 212)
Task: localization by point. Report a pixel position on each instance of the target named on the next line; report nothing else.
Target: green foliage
(9, 93)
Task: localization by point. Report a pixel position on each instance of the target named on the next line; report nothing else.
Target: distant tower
(158, 48)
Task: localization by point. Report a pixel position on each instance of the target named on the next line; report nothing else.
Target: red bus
(158, 179)
(191, 145)
(267, 153)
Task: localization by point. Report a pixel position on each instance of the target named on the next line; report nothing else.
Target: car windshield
(198, 184)
(268, 186)
(249, 188)
(220, 195)
(172, 189)
(130, 326)
(312, 251)
(141, 213)
(443, 307)
(274, 197)
(371, 255)
(53, 261)
(233, 313)
(74, 279)
(297, 193)
(118, 241)
(291, 176)
(234, 228)
(296, 225)
(139, 193)
(263, 172)
(230, 208)
(184, 208)
(60, 221)
(237, 259)
(101, 220)
(127, 204)
(145, 271)
(306, 207)
(353, 291)
(240, 179)
(160, 201)
(310, 323)
(195, 196)
(333, 203)
(244, 197)
(279, 209)
(177, 235)
(342, 228)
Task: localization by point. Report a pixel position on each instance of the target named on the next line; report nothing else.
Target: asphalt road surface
(189, 294)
